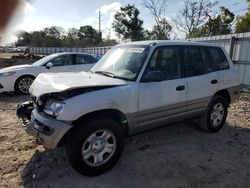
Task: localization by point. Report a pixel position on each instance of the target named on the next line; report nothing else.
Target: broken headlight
(54, 107)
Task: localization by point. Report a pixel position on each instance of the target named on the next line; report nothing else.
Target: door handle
(214, 81)
(180, 88)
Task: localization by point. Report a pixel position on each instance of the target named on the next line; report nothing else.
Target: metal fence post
(231, 49)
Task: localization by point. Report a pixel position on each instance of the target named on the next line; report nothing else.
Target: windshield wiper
(91, 71)
(106, 73)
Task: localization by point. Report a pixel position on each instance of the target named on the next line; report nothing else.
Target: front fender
(121, 98)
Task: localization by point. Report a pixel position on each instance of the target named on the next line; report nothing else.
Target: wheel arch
(114, 114)
(225, 94)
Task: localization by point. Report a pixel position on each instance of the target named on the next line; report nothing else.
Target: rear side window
(218, 60)
(195, 58)
(90, 59)
(84, 59)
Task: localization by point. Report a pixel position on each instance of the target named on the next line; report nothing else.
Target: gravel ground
(177, 155)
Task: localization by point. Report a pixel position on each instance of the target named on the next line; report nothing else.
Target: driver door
(163, 100)
(62, 63)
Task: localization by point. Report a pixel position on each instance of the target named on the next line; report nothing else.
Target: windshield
(123, 62)
(44, 60)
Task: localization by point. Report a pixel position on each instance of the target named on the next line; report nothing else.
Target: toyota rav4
(135, 87)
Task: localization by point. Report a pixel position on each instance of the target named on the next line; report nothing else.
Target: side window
(89, 59)
(218, 60)
(62, 60)
(195, 58)
(84, 59)
(167, 61)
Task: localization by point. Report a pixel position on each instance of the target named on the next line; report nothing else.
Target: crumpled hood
(57, 82)
(15, 68)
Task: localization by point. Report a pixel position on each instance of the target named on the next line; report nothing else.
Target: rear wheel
(23, 84)
(96, 147)
(215, 115)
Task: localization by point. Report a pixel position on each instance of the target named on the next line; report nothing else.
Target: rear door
(202, 84)
(83, 62)
(220, 65)
(166, 99)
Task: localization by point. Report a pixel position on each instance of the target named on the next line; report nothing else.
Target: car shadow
(177, 155)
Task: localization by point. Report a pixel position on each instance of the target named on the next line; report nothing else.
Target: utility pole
(109, 33)
(100, 33)
(99, 21)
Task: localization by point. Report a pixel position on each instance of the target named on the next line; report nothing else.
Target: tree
(193, 15)
(157, 8)
(38, 39)
(220, 24)
(52, 37)
(88, 35)
(73, 33)
(52, 32)
(127, 24)
(243, 24)
(162, 29)
(24, 38)
(71, 38)
(108, 42)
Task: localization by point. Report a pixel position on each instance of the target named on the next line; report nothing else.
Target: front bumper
(7, 85)
(44, 128)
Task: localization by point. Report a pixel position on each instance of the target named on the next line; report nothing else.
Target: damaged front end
(24, 111)
(46, 129)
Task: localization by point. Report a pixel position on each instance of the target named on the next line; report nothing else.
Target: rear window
(218, 60)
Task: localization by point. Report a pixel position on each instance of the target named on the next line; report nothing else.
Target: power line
(236, 3)
(240, 10)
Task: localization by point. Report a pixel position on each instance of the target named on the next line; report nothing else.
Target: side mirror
(48, 65)
(153, 76)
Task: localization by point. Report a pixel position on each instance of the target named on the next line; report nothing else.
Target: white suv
(134, 87)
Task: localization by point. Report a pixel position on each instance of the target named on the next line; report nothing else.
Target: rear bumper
(44, 128)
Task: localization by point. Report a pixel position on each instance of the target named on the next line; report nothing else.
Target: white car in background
(19, 78)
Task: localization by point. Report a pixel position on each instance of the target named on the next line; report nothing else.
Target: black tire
(80, 136)
(18, 82)
(206, 122)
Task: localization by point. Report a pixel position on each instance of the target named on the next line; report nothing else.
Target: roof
(60, 53)
(169, 42)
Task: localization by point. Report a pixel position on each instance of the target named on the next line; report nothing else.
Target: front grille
(24, 112)
(38, 103)
(33, 98)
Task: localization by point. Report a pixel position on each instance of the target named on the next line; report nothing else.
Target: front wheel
(23, 84)
(96, 147)
(215, 115)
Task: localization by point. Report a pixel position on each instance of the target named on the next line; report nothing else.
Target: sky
(38, 14)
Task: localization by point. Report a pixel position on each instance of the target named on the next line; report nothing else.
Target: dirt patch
(11, 59)
(178, 155)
